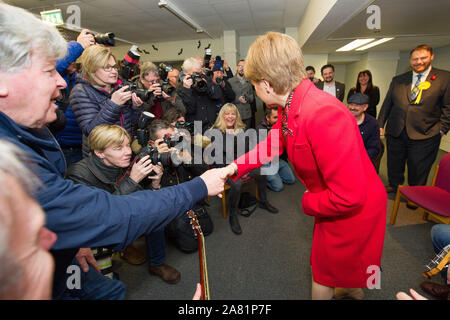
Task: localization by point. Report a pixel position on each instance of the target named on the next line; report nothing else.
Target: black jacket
(421, 121)
(204, 106)
(93, 172)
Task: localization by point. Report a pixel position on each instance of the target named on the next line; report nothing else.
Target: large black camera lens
(106, 39)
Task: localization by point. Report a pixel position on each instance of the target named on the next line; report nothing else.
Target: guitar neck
(201, 255)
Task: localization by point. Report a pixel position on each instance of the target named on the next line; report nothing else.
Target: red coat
(345, 194)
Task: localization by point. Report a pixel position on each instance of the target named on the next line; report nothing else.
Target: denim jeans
(95, 286)
(156, 247)
(283, 176)
(440, 236)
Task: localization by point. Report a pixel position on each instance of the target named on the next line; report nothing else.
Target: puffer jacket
(93, 106)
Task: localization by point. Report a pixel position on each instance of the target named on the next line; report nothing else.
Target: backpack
(181, 233)
(247, 204)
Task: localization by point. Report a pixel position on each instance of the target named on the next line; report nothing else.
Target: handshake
(215, 179)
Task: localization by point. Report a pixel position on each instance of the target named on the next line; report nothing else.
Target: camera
(173, 140)
(144, 95)
(155, 157)
(189, 126)
(199, 82)
(142, 132)
(207, 58)
(219, 81)
(106, 39)
(163, 72)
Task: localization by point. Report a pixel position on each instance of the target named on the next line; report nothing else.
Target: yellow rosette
(423, 86)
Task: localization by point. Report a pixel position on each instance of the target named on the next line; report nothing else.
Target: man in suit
(417, 112)
(328, 84)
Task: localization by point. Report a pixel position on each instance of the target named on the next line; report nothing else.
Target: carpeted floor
(270, 260)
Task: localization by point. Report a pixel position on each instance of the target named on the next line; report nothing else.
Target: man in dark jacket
(416, 112)
(80, 216)
(200, 95)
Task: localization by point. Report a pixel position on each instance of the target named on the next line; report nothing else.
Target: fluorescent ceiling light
(355, 44)
(181, 15)
(373, 44)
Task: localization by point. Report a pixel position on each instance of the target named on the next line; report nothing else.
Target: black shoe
(234, 223)
(267, 206)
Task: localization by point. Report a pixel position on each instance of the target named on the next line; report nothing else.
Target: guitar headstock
(194, 222)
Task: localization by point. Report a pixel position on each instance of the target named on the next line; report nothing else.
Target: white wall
(382, 64)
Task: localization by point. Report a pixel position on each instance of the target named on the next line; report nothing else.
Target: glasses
(110, 68)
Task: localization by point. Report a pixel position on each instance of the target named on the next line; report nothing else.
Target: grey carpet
(270, 260)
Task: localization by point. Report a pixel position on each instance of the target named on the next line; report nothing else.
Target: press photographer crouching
(108, 168)
(199, 93)
(94, 100)
(168, 139)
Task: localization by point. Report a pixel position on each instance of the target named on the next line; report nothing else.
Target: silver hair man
(18, 39)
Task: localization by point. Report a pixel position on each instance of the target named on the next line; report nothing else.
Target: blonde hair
(278, 59)
(220, 122)
(105, 135)
(92, 59)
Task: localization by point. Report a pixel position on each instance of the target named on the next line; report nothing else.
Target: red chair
(434, 199)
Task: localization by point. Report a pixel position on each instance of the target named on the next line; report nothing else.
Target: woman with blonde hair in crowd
(227, 134)
(93, 98)
(344, 193)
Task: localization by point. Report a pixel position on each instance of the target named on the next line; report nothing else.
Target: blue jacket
(93, 106)
(84, 216)
(71, 135)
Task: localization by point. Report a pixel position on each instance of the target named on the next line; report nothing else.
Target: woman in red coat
(322, 140)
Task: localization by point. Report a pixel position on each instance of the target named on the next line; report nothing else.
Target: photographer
(245, 95)
(93, 99)
(166, 138)
(199, 93)
(227, 93)
(110, 156)
(148, 79)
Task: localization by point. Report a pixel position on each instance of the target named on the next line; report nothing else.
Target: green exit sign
(52, 16)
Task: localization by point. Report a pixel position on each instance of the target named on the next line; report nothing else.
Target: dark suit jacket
(340, 89)
(421, 121)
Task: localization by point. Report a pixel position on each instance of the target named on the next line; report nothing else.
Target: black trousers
(419, 155)
(235, 190)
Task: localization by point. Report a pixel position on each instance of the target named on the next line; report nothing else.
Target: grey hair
(12, 162)
(190, 63)
(21, 34)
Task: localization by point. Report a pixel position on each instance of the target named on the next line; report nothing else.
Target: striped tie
(415, 90)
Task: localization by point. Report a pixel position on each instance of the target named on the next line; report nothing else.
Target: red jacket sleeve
(263, 153)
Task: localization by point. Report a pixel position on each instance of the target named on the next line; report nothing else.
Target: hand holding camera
(121, 96)
(242, 99)
(187, 82)
(85, 38)
(141, 169)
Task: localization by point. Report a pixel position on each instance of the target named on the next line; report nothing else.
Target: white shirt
(330, 89)
(422, 79)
